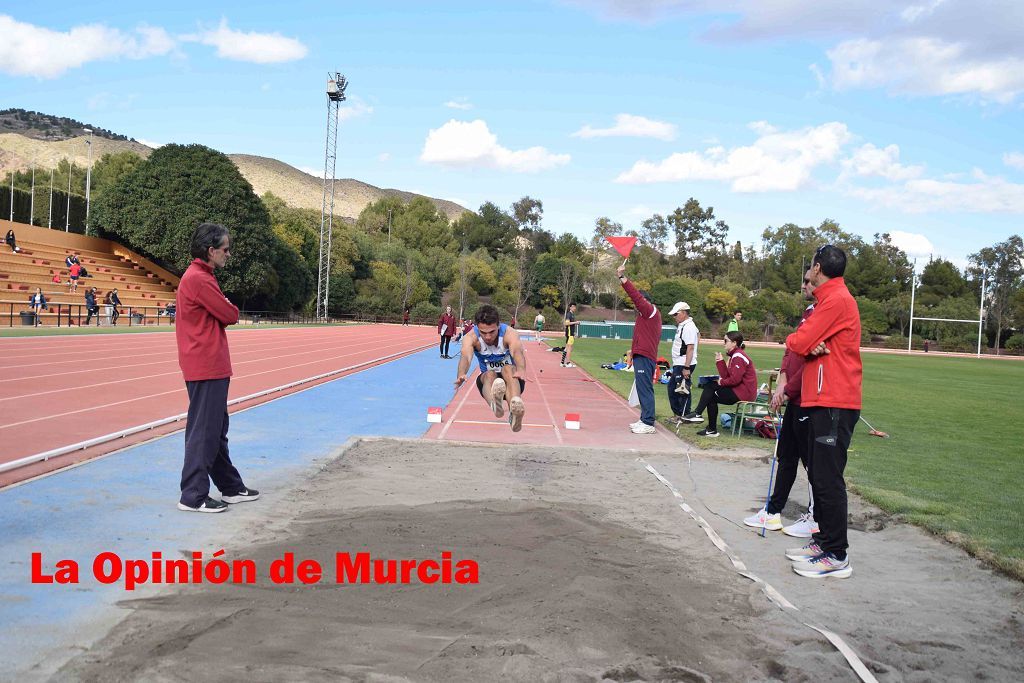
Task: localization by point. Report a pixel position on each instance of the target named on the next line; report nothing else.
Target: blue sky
(902, 116)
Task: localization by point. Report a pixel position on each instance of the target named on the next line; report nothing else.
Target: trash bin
(137, 318)
(28, 318)
(108, 311)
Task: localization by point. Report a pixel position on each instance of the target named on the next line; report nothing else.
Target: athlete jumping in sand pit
(502, 361)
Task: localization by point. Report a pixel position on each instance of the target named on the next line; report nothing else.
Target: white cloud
(29, 50)
(915, 47)
(458, 103)
(914, 12)
(150, 143)
(354, 109)
(912, 243)
(924, 66)
(762, 127)
(628, 125)
(869, 160)
(1014, 160)
(265, 87)
(242, 46)
(986, 194)
(776, 161)
(471, 144)
(384, 157)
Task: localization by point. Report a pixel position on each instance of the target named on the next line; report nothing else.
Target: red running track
(56, 391)
(551, 392)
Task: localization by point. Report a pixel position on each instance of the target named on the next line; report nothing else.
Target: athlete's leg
(516, 407)
(492, 388)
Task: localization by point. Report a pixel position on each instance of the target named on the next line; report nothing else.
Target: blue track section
(125, 503)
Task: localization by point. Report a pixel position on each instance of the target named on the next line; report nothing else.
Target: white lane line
(770, 592)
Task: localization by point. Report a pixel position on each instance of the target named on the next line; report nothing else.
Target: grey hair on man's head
(205, 236)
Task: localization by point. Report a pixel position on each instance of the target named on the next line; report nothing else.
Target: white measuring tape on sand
(770, 592)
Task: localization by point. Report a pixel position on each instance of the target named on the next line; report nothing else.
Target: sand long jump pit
(587, 569)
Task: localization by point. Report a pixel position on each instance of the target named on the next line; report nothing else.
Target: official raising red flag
(623, 245)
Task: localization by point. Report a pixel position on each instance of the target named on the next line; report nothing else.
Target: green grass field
(954, 463)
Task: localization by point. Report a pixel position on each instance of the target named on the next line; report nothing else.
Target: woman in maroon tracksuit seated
(737, 382)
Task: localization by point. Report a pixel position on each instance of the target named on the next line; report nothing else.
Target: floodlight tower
(336, 85)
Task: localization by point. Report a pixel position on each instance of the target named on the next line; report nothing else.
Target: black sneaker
(708, 432)
(693, 417)
(243, 496)
(208, 505)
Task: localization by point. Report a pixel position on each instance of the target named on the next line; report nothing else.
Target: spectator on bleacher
(91, 308)
(170, 310)
(206, 367)
(737, 382)
(12, 242)
(113, 301)
(70, 260)
(75, 271)
(38, 303)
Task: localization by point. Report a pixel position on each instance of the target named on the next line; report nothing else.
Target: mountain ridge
(296, 188)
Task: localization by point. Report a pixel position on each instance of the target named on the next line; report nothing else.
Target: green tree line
(400, 254)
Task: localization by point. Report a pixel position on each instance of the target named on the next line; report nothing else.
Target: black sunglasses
(821, 249)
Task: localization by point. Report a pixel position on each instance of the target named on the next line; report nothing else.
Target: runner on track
(502, 364)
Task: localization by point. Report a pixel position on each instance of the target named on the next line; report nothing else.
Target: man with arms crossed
(502, 361)
(203, 313)
(830, 397)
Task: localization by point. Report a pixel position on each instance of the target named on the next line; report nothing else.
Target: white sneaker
(635, 424)
(569, 365)
(762, 520)
(805, 527)
(516, 410)
(498, 397)
(641, 428)
(823, 566)
(808, 552)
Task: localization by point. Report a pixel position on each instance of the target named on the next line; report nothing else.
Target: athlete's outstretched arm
(465, 358)
(515, 345)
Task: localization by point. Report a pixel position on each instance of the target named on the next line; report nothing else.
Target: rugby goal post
(979, 322)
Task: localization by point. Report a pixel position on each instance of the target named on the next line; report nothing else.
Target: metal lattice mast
(335, 96)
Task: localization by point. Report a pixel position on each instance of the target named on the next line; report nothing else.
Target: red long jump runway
(552, 392)
(58, 391)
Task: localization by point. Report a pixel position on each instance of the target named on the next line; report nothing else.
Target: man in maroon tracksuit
(792, 442)
(203, 313)
(646, 336)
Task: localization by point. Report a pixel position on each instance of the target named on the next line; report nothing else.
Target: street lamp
(88, 180)
(67, 214)
(32, 202)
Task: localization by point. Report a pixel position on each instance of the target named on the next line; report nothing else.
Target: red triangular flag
(623, 245)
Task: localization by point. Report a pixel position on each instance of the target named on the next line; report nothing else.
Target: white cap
(680, 306)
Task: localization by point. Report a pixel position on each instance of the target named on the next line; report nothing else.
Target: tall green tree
(156, 207)
(1003, 264)
(700, 239)
(528, 213)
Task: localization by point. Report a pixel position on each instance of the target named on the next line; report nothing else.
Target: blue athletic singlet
(493, 357)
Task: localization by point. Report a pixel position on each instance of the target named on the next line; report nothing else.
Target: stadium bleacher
(144, 288)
